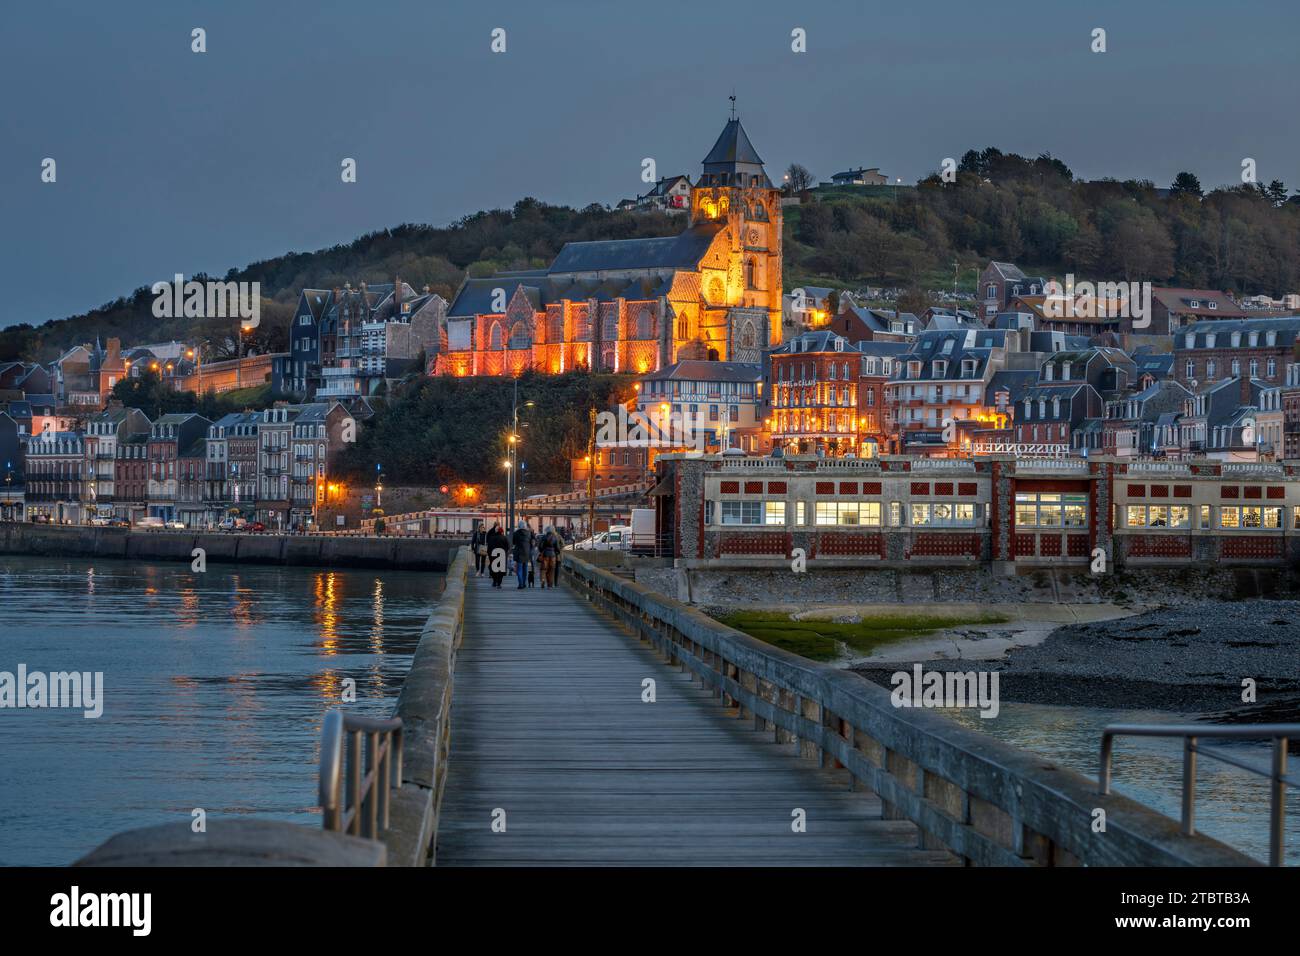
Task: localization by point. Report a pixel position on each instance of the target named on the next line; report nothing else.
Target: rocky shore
(1187, 657)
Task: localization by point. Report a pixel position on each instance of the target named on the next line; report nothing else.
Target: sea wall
(397, 553)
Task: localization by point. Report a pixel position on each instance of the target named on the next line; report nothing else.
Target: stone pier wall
(397, 553)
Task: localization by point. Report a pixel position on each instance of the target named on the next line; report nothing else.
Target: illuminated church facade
(639, 305)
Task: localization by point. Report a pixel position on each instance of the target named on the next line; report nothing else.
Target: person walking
(549, 552)
(498, 546)
(478, 544)
(521, 543)
(532, 562)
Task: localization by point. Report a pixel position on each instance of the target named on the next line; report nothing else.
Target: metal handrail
(1280, 734)
(353, 796)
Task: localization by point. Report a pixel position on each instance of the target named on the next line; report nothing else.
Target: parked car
(231, 523)
(149, 523)
(617, 538)
(254, 526)
(174, 525)
(40, 519)
(118, 523)
(99, 521)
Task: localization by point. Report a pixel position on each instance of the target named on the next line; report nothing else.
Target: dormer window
(1047, 372)
(1254, 339)
(1212, 305)
(1236, 339)
(1210, 338)
(1190, 341)
(940, 368)
(1195, 303)
(1065, 371)
(839, 345)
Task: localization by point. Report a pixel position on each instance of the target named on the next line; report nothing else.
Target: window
(774, 512)
(896, 513)
(1211, 368)
(799, 516)
(742, 512)
(944, 514)
(848, 513)
(1051, 510)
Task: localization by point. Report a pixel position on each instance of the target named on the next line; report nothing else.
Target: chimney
(114, 354)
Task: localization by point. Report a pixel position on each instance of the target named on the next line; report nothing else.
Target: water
(1231, 804)
(215, 685)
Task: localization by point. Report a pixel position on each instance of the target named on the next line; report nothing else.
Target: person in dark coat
(498, 547)
(521, 543)
(549, 548)
(478, 544)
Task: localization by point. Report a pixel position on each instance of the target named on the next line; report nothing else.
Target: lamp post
(512, 481)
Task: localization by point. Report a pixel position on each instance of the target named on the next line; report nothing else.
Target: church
(639, 305)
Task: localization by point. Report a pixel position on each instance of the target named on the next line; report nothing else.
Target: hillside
(1001, 206)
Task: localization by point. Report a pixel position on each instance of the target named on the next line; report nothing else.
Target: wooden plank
(548, 724)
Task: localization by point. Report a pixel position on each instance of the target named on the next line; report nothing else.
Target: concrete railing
(425, 710)
(984, 801)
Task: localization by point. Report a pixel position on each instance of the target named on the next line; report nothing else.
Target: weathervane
(732, 97)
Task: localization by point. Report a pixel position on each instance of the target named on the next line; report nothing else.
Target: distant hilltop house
(860, 177)
(1288, 303)
(670, 194)
(1172, 309)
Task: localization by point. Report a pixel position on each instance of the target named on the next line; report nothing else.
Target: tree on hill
(1186, 184)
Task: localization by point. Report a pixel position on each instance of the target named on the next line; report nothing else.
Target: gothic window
(555, 333)
(683, 326)
(644, 325)
(496, 339)
(748, 336)
(751, 274)
(519, 336)
(609, 326)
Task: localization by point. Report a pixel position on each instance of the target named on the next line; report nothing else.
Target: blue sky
(171, 161)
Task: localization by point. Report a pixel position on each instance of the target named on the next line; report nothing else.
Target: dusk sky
(171, 161)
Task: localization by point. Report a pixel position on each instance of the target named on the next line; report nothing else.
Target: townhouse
(169, 436)
(103, 433)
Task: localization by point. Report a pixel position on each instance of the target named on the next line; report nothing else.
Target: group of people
(533, 556)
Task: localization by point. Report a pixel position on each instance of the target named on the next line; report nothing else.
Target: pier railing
(424, 708)
(986, 802)
(1279, 734)
(360, 765)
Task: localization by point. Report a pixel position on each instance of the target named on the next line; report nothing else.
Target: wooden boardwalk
(549, 726)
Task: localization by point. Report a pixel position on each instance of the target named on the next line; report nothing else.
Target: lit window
(774, 512)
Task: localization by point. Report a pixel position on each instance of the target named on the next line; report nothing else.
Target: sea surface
(1232, 805)
(215, 686)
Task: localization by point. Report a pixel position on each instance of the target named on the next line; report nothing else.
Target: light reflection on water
(214, 684)
(1231, 804)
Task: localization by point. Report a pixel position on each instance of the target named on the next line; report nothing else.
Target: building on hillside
(1000, 283)
(939, 388)
(807, 309)
(670, 194)
(639, 305)
(1174, 309)
(1057, 314)
(1129, 428)
(858, 324)
(351, 343)
(1244, 350)
(860, 177)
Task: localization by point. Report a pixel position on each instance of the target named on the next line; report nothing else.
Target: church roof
(683, 251)
(733, 146)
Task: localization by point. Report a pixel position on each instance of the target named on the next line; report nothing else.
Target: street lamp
(510, 463)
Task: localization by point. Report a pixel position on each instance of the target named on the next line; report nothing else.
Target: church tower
(742, 308)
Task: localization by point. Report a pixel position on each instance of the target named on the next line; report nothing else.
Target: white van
(149, 523)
